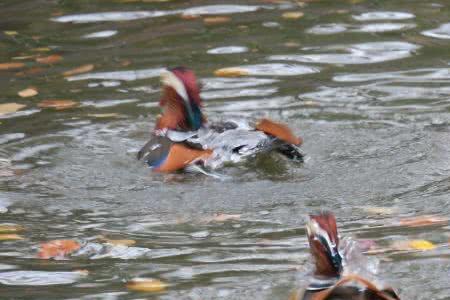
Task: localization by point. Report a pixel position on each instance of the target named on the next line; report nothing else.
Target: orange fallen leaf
(11, 65)
(31, 71)
(292, 15)
(10, 228)
(190, 17)
(58, 248)
(10, 237)
(8, 108)
(147, 285)
(57, 104)
(231, 72)
(216, 20)
(54, 58)
(423, 221)
(79, 70)
(29, 92)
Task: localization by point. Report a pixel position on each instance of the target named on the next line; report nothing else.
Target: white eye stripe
(313, 228)
(171, 80)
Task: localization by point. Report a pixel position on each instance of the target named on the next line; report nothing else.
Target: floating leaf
(29, 92)
(123, 242)
(422, 245)
(58, 248)
(231, 72)
(106, 115)
(41, 49)
(147, 285)
(10, 228)
(10, 32)
(216, 20)
(31, 71)
(79, 70)
(10, 237)
(11, 65)
(57, 104)
(292, 15)
(190, 17)
(8, 108)
(412, 245)
(54, 58)
(423, 221)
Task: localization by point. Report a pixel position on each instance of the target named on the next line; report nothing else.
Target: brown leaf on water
(8, 108)
(423, 221)
(57, 104)
(10, 228)
(121, 242)
(216, 20)
(10, 237)
(58, 248)
(31, 71)
(292, 15)
(79, 70)
(231, 72)
(147, 285)
(29, 92)
(51, 59)
(11, 65)
(190, 17)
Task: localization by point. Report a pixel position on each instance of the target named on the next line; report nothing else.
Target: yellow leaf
(57, 104)
(8, 108)
(11, 65)
(231, 72)
(10, 237)
(10, 228)
(216, 20)
(79, 70)
(120, 242)
(29, 92)
(41, 49)
(110, 115)
(147, 285)
(293, 15)
(421, 245)
(51, 59)
(10, 32)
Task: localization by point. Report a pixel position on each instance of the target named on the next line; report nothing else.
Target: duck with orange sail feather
(183, 137)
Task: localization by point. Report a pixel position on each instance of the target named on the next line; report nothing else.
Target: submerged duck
(328, 282)
(182, 136)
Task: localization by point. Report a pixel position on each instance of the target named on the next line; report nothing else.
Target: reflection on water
(366, 84)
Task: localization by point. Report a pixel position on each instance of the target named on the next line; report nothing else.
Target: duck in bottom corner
(329, 281)
(183, 137)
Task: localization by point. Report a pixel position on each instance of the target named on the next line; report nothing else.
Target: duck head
(180, 102)
(324, 244)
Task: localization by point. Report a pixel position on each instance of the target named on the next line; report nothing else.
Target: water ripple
(383, 15)
(365, 53)
(442, 32)
(38, 278)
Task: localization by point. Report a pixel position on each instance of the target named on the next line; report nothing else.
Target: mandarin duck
(182, 136)
(328, 281)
